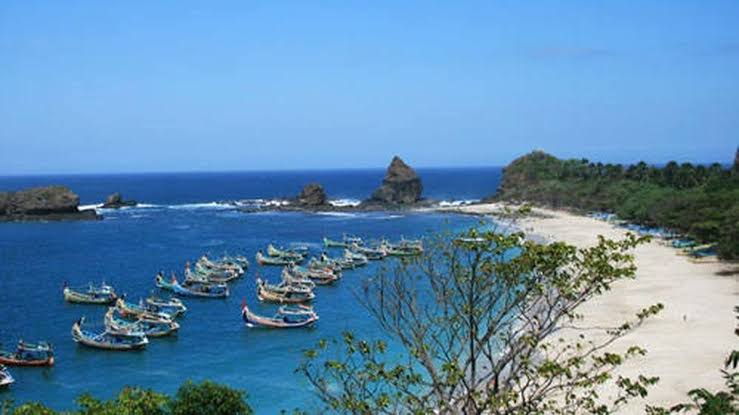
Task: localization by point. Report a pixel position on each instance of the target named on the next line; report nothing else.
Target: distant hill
(698, 200)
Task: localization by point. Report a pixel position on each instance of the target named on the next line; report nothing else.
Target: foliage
(191, 399)
(476, 322)
(699, 201)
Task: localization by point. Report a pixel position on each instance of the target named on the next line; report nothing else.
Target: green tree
(476, 319)
(209, 398)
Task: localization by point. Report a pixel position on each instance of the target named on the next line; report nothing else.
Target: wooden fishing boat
(108, 340)
(172, 306)
(404, 248)
(293, 279)
(372, 254)
(102, 295)
(29, 354)
(224, 266)
(357, 259)
(139, 311)
(191, 289)
(325, 263)
(269, 260)
(118, 325)
(283, 293)
(321, 276)
(283, 253)
(204, 275)
(346, 242)
(239, 260)
(5, 378)
(287, 317)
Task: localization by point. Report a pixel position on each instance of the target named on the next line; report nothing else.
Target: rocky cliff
(400, 186)
(312, 195)
(43, 203)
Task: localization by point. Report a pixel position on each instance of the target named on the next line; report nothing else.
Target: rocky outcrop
(401, 185)
(43, 203)
(312, 195)
(115, 201)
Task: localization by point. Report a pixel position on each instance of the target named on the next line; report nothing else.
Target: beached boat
(287, 317)
(118, 325)
(172, 306)
(104, 294)
(140, 311)
(291, 255)
(28, 354)
(320, 276)
(269, 260)
(346, 242)
(107, 340)
(192, 289)
(5, 378)
(283, 293)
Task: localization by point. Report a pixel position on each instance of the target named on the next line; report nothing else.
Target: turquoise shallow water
(129, 246)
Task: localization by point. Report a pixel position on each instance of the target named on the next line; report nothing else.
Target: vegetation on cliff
(701, 201)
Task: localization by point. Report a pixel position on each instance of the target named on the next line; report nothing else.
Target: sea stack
(115, 201)
(312, 195)
(400, 186)
(43, 203)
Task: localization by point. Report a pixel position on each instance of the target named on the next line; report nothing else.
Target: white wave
(344, 202)
(455, 203)
(206, 205)
(338, 214)
(386, 217)
(86, 207)
(276, 202)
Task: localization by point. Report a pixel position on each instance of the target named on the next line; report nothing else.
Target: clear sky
(91, 86)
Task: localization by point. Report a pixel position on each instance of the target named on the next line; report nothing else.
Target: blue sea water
(180, 220)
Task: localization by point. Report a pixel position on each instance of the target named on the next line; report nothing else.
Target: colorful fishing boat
(5, 378)
(140, 311)
(269, 260)
(172, 306)
(107, 340)
(283, 293)
(205, 275)
(225, 266)
(372, 254)
(101, 295)
(294, 279)
(119, 325)
(295, 256)
(346, 242)
(192, 289)
(321, 276)
(239, 260)
(324, 262)
(404, 248)
(287, 317)
(29, 354)
(356, 259)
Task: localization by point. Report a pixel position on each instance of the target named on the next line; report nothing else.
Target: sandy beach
(687, 342)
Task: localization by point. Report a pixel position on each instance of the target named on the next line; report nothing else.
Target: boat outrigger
(287, 317)
(283, 293)
(29, 354)
(108, 340)
(192, 289)
(102, 295)
(118, 325)
(5, 378)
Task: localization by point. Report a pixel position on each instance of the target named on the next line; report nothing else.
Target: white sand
(688, 341)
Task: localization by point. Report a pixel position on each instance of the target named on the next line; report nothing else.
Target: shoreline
(686, 343)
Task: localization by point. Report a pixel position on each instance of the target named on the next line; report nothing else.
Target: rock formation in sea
(115, 201)
(43, 203)
(400, 186)
(312, 195)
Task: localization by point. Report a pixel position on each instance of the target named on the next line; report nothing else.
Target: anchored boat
(28, 354)
(108, 340)
(104, 294)
(283, 293)
(172, 306)
(192, 289)
(118, 325)
(5, 378)
(287, 317)
(275, 260)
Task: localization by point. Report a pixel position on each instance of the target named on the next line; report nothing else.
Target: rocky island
(43, 203)
(116, 201)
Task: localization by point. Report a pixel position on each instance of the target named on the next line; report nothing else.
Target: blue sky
(180, 86)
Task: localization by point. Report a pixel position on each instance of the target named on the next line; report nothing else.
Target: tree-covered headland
(699, 201)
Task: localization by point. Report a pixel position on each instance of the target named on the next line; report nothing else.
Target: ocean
(181, 217)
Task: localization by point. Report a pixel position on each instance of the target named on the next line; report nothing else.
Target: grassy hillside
(697, 200)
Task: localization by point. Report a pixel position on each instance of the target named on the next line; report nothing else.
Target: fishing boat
(239, 260)
(283, 293)
(269, 260)
(320, 276)
(372, 254)
(225, 266)
(118, 325)
(28, 354)
(192, 289)
(357, 259)
(294, 279)
(324, 262)
(287, 317)
(5, 378)
(104, 294)
(172, 306)
(292, 255)
(346, 242)
(107, 340)
(139, 311)
(204, 275)
(404, 248)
